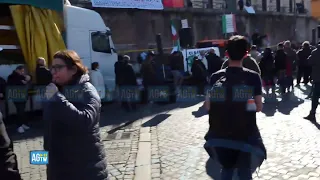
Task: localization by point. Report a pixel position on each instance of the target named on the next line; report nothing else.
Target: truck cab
(85, 32)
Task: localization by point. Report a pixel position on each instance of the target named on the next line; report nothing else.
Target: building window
(100, 42)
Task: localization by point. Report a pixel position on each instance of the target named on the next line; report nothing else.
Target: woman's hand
(51, 90)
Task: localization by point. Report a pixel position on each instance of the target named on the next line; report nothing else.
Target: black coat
(214, 63)
(280, 60)
(8, 159)
(72, 134)
(43, 76)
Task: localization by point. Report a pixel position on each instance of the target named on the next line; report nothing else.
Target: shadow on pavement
(270, 108)
(115, 115)
(305, 91)
(201, 112)
(288, 103)
(315, 123)
(156, 120)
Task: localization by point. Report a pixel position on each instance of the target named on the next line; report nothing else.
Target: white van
(85, 33)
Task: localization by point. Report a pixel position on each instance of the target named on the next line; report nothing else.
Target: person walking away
(176, 62)
(248, 62)
(292, 60)
(267, 70)
(71, 117)
(280, 61)
(255, 54)
(96, 79)
(130, 80)
(8, 159)
(199, 75)
(43, 74)
(314, 62)
(214, 62)
(304, 68)
(18, 79)
(232, 115)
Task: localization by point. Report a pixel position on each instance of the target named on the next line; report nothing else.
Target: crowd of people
(72, 126)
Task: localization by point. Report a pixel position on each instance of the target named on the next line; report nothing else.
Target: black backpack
(228, 115)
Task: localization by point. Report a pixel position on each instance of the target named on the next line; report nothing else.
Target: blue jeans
(230, 160)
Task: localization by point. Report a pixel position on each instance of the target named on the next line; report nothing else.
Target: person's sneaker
(25, 127)
(310, 117)
(20, 130)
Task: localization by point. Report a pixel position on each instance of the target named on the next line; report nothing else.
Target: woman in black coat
(72, 114)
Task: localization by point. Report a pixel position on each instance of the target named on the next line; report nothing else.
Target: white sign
(200, 53)
(184, 23)
(249, 9)
(136, 4)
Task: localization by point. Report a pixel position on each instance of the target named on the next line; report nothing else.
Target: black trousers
(315, 97)
(305, 72)
(20, 118)
(231, 159)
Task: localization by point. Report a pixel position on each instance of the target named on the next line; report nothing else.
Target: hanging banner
(228, 23)
(173, 3)
(189, 54)
(129, 4)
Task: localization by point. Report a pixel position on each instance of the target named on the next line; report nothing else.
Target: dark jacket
(149, 73)
(214, 63)
(280, 60)
(3, 86)
(198, 70)
(43, 76)
(118, 70)
(15, 79)
(267, 65)
(130, 76)
(303, 55)
(72, 134)
(8, 159)
(314, 61)
(248, 62)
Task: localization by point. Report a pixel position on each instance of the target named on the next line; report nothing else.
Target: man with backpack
(232, 102)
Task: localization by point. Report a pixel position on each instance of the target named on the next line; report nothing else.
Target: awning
(56, 5)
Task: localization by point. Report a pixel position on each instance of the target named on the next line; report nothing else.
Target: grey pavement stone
(291, 142)
(121, 152)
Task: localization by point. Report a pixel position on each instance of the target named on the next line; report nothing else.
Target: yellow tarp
(38, 32)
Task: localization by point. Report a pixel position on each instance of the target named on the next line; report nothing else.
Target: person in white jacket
(97, 80)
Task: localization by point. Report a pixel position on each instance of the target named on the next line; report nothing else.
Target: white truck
(85, 32)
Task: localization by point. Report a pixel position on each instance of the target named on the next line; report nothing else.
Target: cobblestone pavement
(292, 143)
(177, 132)
(121, 145)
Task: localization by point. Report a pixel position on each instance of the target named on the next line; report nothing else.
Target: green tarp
(47, 4)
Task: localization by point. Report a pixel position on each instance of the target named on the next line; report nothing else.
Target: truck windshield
(100, 42)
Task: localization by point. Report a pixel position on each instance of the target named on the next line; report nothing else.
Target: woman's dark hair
(94, 65)
(72, 59)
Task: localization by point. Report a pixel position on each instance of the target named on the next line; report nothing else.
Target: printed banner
(135, 4)
(228, 23)
(189, 54)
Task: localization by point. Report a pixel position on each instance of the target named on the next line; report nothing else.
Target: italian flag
(228, 24)
(175, 37)
(174, 32)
